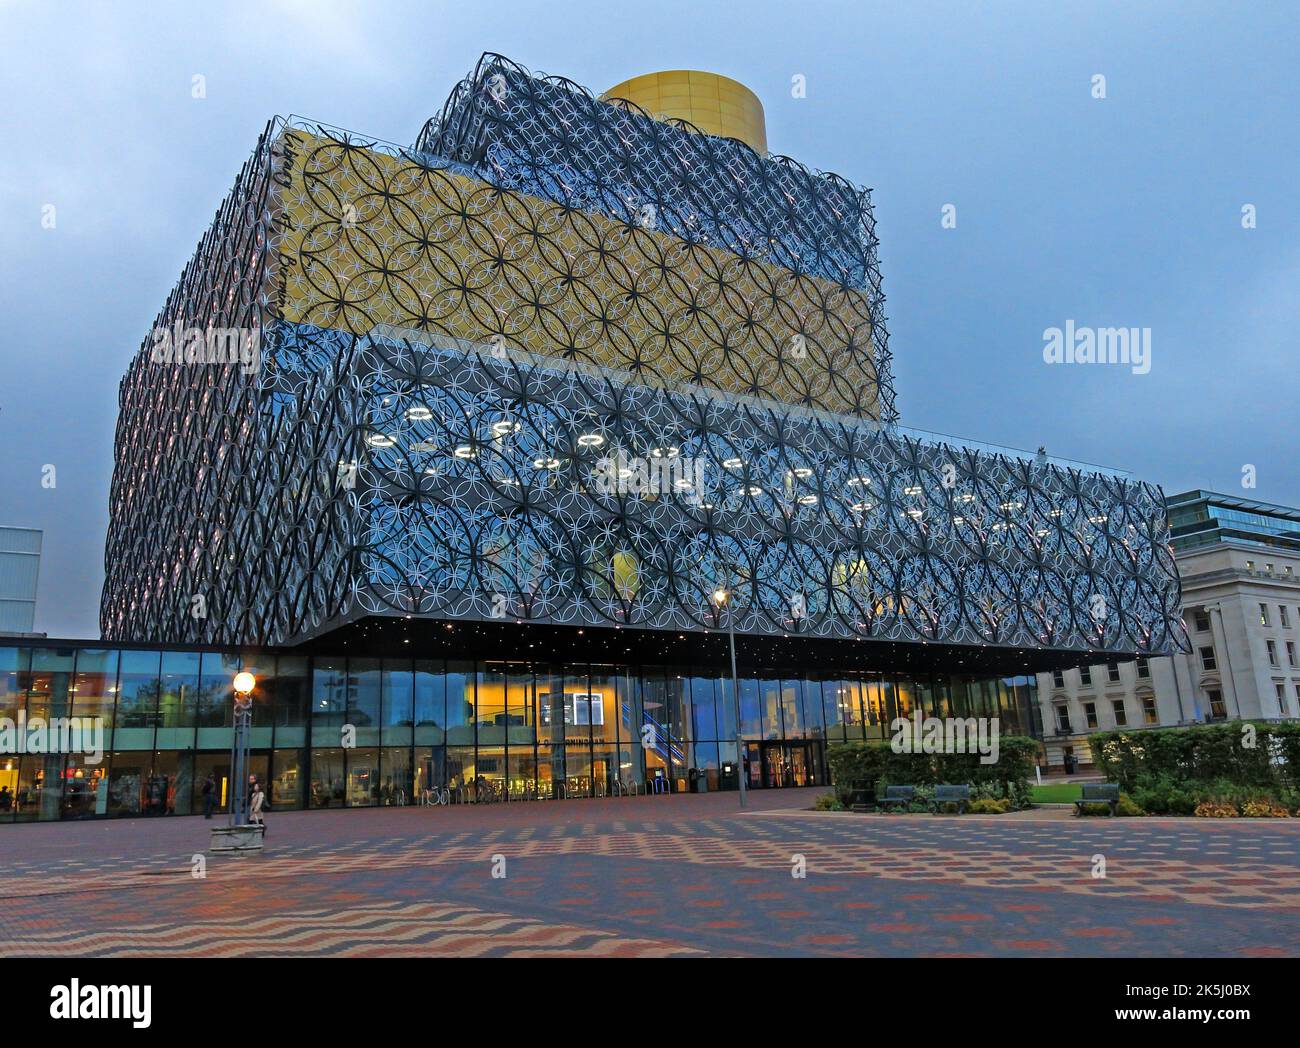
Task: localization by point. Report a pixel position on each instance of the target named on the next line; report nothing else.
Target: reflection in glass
(363, 777)
(398, 702)
(327, 783)
(178, 701)
(287, 781)
(430, 703)
(460, 703)
(137, 700)
(395, 773)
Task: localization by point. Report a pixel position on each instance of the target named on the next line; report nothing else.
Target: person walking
(209, 791)
(255, 806)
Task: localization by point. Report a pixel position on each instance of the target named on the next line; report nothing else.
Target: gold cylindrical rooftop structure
(717, 105)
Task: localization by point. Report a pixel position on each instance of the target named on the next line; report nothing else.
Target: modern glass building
(1207, 518)
(20, 565)
(530, 729)
(529, 417)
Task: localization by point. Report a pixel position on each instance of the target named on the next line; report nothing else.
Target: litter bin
(862, 795)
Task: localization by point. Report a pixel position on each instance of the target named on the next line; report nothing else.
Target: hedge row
(1259, 754)
(876, 762)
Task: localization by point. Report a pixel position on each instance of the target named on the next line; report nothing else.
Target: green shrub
(1021, 795)
(1128, 807)
(990, 806)
(1204, 769)
(1264, 809)
(876, 762)
(827, 802)
(1162, 795)
(1203, 753)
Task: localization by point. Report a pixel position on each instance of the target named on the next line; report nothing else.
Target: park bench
(958, 795)
(1098, 793)
(898, 795)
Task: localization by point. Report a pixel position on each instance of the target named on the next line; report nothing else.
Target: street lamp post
(244, 684)
(720, 597)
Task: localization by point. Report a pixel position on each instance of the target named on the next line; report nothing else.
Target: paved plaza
(656, 876)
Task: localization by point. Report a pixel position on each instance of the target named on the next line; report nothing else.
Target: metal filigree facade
(565, 364)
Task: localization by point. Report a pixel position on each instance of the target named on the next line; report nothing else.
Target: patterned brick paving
(655, 877)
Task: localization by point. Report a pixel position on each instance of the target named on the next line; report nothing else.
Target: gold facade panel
(372, 239)
(717, 105)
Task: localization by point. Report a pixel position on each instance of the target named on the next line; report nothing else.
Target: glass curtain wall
(369, 732)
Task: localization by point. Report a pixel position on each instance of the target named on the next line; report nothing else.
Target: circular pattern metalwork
(461, 360)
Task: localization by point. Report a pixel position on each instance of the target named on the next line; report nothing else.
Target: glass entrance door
(781, 764)
(774, 764)
(798, 764)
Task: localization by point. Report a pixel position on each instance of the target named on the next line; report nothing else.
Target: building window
(1217, 710)
(1284, 616)
(1149, 714)
(1058, 679)
(1063, 720)
(1263, 614)
(1207, 659)
(1290, 652)
(1250, 565)
(1112, 672)
(1281, 698)
(1090, 713)
(1143, 668)
(1085, 675)
(1201, 619)
(1121, 717)
(1272, 653)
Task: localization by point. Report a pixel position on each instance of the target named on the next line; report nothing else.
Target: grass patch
(1056, 793)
